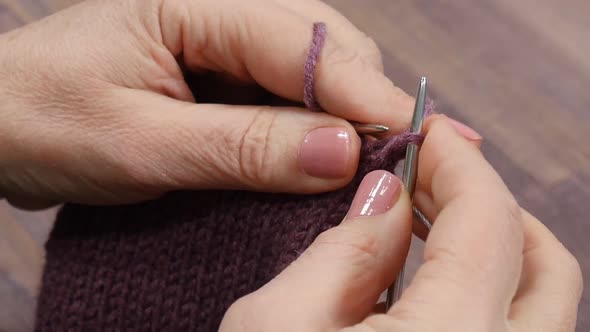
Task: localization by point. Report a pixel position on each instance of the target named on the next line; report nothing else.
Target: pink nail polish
(464, 130)
(325, 152)
(377, 193)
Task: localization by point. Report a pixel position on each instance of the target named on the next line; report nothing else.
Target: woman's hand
(95, 107)
(488, 264)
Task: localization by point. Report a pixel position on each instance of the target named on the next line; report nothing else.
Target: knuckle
(367, 55)
(255, 149)
(372, 46)
(513, 209)
(374, 53)
(513, 215)
(449, 263)
(343, 56)
(573, 271)
(447, 267)
(510, 224)
(357, 246)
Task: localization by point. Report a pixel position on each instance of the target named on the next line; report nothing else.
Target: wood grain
(517, 71)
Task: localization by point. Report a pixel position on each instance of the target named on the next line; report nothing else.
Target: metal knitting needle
(409, 176)
(368, 129)
(422, 218)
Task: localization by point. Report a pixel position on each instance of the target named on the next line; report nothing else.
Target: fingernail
(325, 152)
(376, 194)
(464, 130)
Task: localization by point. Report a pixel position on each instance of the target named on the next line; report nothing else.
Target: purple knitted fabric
(177, 263)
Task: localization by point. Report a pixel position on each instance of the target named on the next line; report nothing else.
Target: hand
(489, 265)
(95, 108)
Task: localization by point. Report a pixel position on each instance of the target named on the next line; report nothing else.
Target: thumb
(211, 146)
(337, 281)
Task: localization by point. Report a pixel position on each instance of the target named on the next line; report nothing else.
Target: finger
(171, 144)
(338, 279)
(343, 31)
(226, 36)
(423, 196)
(551, 283)
(468, 133)
(474, 249)
(464, 130)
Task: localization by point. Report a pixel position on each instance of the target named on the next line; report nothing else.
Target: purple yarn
(320, 32)
(378, 152)
(317, 43)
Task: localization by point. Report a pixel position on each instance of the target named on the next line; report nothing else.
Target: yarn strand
(317, 43)
(320, 33)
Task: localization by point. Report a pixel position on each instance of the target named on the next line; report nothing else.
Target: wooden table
(517, 71)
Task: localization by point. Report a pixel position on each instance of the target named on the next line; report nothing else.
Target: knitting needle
(422, 217)
(409, 179)
(368, 129)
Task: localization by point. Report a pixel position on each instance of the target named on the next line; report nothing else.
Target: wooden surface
(517, 71)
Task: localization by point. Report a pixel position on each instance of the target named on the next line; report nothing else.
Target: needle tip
(364, 128)
(423, 82)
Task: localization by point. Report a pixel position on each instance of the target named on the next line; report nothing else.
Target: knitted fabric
(177, 263)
